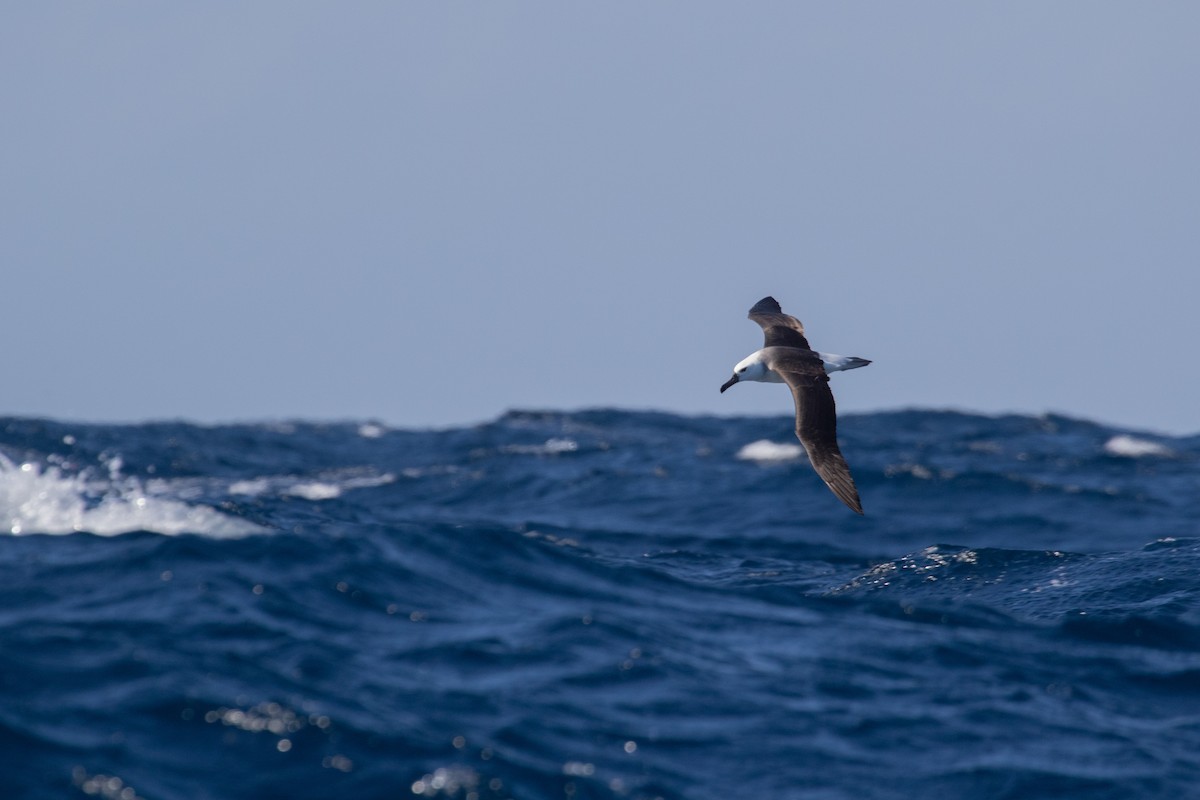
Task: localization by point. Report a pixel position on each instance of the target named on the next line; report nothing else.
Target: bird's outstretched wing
(816, 422)
(779, 329)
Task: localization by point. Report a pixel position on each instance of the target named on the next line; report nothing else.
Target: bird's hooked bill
(729, 383)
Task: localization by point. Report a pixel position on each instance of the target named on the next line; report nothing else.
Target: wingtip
(848, 494)
(767, 305)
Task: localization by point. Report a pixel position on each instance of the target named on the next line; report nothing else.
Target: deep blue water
(598, 605)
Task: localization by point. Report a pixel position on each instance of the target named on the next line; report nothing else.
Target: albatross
(786, 358)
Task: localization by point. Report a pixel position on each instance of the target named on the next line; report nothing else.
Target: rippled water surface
(598, 605)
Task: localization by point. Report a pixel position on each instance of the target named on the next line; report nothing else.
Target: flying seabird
(787, 358)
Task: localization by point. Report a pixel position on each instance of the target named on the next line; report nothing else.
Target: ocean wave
(46, 499)
(600, 604)
(1134, 447)
(325, 486)
(764, 450)
(1145, 596)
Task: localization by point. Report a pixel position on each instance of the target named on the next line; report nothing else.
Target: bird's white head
(750, 368)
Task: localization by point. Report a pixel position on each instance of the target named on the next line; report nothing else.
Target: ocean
(600, 604)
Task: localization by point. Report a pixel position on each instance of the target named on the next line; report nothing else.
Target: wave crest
(39, 498)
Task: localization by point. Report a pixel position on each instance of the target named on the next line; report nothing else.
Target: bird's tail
(834, 363)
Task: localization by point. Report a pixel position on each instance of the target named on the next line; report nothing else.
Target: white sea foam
(1132, 447)
(767, 451)
(253, 487)
(918, 471)
(315, 490)
(37, 498)
(551, 447)
(369, 430)
(326, 486)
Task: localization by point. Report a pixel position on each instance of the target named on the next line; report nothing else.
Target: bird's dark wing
(816, 422)
(779, 329)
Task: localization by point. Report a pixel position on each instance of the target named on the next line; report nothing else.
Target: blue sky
(429, 213)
